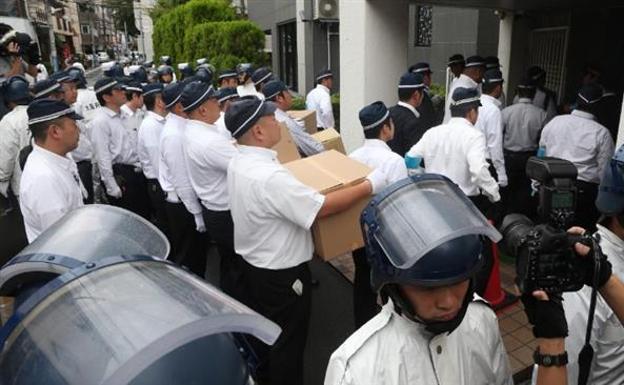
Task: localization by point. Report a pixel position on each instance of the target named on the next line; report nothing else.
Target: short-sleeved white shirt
(272, 211)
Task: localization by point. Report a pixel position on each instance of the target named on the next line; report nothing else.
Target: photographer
(550, 326)
(607, 332)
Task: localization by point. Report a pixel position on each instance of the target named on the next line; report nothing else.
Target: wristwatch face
(547, 360)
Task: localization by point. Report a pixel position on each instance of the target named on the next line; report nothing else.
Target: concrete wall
(455, 30)
(373, 38)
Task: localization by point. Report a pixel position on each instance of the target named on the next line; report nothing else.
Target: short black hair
(524, 92)
(40, 130)
(130, 94)
(488, 88)
(150, 101)
(373, 133)
(100, 96)
(406, 93)
(462, 111)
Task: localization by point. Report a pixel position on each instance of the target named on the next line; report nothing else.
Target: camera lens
(514, 228)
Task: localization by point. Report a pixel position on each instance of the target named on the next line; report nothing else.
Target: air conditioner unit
(326, 10)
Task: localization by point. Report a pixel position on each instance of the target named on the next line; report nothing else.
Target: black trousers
(364, 298)
(85, 171)
(221, 230)
(157, 205)
(517, 194)
(188, 247)
(271, 294)
(586, 214)
(12, 231)
(134, 190)
(483, 276)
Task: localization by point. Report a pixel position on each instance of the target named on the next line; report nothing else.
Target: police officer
(432, 330)
(184, 211)
(83, 154)
(429, 116)
(458, 151)
(522, 125)
(260, 77)
(544, 98)
(132, 112)
(228, 78)
(319, 100)
(166, 63)
(148, 143)
(114, 152)
(204, 73)
(409, 127)
(166, 74)
(456, 65)
(245, 84)
(185, 70)
(14, 136)
(50, 185)
(579, 138)
(493, 63)
(272, 213)
(48, 88)
(607, 339)
(378, 127)
(209, 152)
(470, 78)
(490, 123)
(278, 93)
(225, 96)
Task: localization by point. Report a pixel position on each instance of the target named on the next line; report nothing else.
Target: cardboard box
(330, 171)
(307, 117)
(330, 139)
(286, 148)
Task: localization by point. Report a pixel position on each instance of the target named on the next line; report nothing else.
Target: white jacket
(14, 135)
(392, 350)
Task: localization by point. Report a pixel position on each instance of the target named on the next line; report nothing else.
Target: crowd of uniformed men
(196, 160)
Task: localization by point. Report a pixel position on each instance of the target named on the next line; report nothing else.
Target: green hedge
(226, 43)
(172, 27)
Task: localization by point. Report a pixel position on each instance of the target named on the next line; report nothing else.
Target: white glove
(172, 197)
(115, 193)
(502, 183)
(378, 180)
(199, 223)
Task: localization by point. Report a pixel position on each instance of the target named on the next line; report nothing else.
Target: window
(85, 29)
(424, 26)
(287, 35)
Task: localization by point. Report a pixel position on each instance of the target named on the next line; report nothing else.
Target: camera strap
(587, 353)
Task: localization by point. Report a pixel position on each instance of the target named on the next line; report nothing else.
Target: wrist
(551, 346)
(608, 286)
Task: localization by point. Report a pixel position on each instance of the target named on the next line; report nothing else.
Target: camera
(545, 259)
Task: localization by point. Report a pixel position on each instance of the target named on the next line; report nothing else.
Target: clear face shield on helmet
(415, 216)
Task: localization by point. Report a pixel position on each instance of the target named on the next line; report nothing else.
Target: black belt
(117, 167)
(519, 153)
(83, 162)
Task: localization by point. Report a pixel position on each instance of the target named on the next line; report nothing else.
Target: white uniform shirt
(173, 168)
(249, 89)
(580, 139)
(86, 104)
(132, 121)
(319, 100)
(392, 350)
(272, 211)
(522, 125)
(220, 123)
(457, 150)
(462, 81)
(14, 135)
(607, 333)
(111, 145)
(50, 189)
(377, 155)
(539, 100)
(304, 141)
(148, 145)
(490, 123)
(209, 153)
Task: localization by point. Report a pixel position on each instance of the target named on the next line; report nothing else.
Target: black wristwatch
(548, 360)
